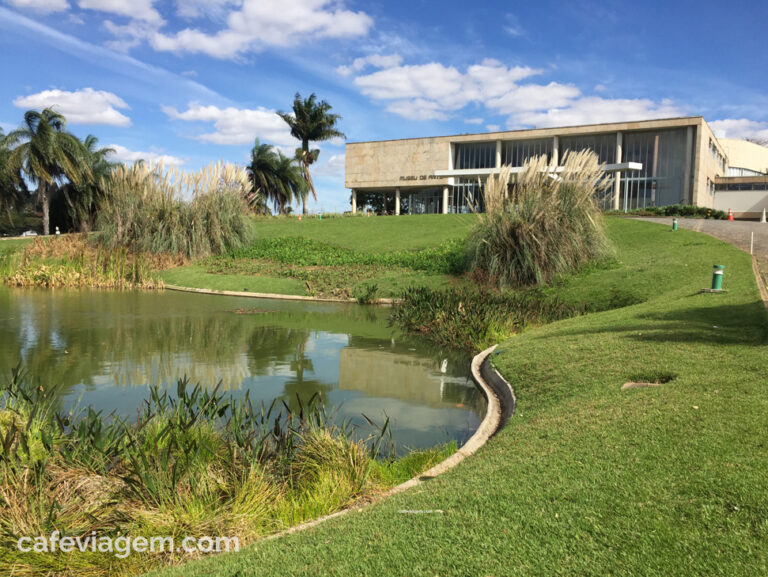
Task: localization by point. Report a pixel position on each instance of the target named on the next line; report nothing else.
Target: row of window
(715, 153)
(743, 186)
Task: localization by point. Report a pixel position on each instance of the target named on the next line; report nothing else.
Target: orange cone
(730, 214)
(300, 218)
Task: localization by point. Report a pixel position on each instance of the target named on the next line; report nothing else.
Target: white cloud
(127, 156)
(512, 26)
(334, 167)
(215, 9)
(237, 125)
(434, 92)
(374, 60)
(594, 110)
(134, 9)
(86, 106)
(599, 88)
(740, 128)
(492, 127)
(262, 23)
(42, 6)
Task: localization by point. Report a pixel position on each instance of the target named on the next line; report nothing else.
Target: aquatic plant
(194, 462)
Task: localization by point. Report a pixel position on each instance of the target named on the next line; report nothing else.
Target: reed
(193, 214)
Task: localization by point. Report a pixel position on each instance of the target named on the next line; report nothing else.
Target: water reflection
(105, 347)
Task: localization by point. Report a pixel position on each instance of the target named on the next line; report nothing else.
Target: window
(604, 145)
(469, 155)
(517, 152)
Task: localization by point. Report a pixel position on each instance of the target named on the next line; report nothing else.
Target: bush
(686, 210)
(543, 225)
(366, 293)
(474, 318)
(145, 210)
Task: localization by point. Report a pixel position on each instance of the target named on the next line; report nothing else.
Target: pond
(106, 347)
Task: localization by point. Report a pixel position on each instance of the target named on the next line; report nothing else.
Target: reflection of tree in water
(69, 347)
(272, 346)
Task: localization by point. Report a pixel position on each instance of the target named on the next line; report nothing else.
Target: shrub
(145, 210)
(541, 226)
(473, 318)
(686, 210)
(366, 293)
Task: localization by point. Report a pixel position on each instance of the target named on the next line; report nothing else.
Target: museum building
(650, 162)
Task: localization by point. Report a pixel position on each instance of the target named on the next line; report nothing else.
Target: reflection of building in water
(381, 373)
(168, 369)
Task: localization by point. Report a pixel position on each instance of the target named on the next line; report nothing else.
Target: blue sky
(195, 81)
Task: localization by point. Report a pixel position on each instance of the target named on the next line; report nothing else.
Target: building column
(445, 200)
(617, 179)
(354, 201)
(498, 154)
(397, 201)
(555, 151)
(688, 159)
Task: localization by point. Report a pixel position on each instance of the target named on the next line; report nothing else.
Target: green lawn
(371, 234)
(11, 245)
(371, 239)
(587, 479)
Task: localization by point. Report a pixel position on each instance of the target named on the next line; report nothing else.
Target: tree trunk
(42, 191)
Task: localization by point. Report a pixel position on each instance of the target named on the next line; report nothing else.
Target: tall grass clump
(543, 224)
(148, 208)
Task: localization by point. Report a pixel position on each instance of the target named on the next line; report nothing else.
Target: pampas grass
(148, 208)
(545, 224)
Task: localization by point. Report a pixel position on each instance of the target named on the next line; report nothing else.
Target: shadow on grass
(742, 324)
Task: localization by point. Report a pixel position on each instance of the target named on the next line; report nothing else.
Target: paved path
(736, 232)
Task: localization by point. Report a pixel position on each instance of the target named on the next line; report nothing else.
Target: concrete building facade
(651, 162)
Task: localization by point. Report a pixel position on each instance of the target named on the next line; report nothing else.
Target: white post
(445, 200)
(617, 181)
(752, 243)
(397, 201)
(354, 201)
(763, 217)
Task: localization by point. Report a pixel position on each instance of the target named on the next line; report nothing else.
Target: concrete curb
(275, 296)
(499, 394)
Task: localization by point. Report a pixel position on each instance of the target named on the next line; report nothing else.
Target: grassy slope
(587, 479)
(374, 235)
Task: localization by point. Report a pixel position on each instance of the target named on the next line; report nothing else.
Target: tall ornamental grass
(193, 214)
(545, 224)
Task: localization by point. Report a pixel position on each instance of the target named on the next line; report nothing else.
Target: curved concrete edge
(760, 283)
(275, 296)
(497, 393)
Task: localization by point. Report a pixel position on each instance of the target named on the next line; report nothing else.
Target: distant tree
(12, 190)
(47, 155)
(277, 178)
(83, 197)
(311, 121)
(760, 141)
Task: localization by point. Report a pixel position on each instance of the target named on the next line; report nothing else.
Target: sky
(196, 81)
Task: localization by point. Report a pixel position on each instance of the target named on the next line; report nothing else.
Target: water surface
(106, 347)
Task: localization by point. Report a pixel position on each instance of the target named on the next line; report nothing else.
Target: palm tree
(276, 177)
(12, 190)
(82, 198)
(311, 121)
(47, 154)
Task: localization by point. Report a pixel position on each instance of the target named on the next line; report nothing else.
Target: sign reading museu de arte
(422, 177)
